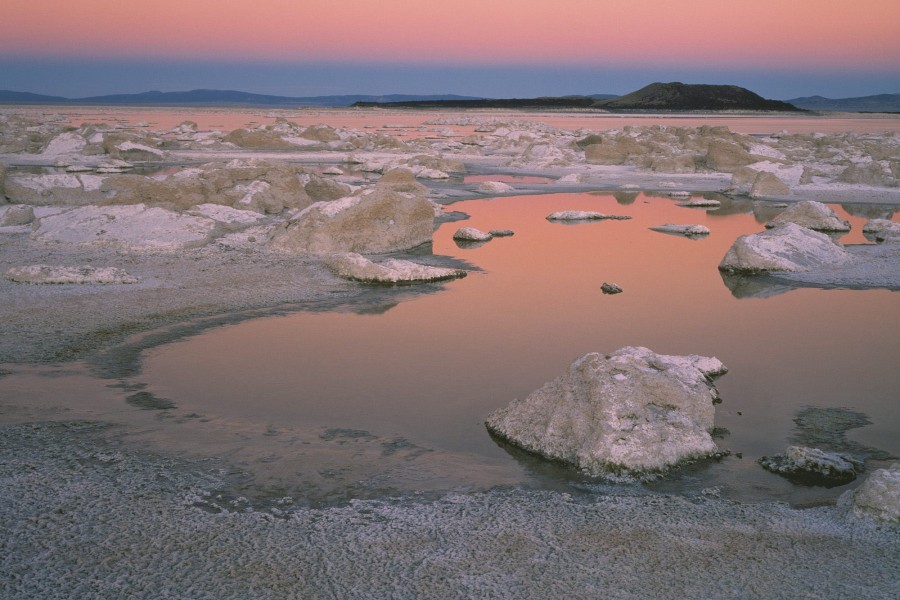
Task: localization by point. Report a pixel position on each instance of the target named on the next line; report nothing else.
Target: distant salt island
(656, 96)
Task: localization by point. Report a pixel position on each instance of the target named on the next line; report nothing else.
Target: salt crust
(38, 274)
(458, 546)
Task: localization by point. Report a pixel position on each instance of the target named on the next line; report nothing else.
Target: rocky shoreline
(230, 225)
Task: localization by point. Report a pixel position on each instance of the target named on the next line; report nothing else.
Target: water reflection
(430, 369)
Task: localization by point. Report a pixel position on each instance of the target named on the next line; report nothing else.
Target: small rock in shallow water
(392, 271)
(501, 232)
(582, 215)
(812, 215)
(470, 234)
(686, 230)
(812, 466)
(610, 288)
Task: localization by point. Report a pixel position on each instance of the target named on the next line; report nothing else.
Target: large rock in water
(633, 410)
(812, 215)
(788, 247)
(381, 221)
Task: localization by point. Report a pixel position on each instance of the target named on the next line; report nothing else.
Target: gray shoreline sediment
(80, 508)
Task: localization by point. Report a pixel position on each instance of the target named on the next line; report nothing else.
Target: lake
(410, 383)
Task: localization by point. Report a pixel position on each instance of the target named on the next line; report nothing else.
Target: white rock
(140, 150)
(79, 169)
(582, 215)
(812, 215)
(65, 143)
(679, 194)
(432, 174)
(392, 271)
(332, 171)
(494, 187)
(572, 178)
(38, 274)
(132, 227)
(788, 247)
(631, 410)
(688, 230)
(701, 203)
(883, 230)
(232, 218)
(470, 234)
(879, 496)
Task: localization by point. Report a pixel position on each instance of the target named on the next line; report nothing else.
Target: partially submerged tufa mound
(633, 410)
(788, 247)
(390, 272)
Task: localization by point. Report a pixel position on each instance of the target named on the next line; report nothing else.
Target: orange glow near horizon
(771, 33)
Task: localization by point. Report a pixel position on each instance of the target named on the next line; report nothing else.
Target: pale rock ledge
(47, 274)
(632, 411)
(392, 271)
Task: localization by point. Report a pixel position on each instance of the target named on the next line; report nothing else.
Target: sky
(495, 48)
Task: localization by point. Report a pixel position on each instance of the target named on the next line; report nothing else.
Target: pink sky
(776, 33)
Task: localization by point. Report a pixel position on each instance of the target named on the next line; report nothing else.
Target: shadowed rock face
(632, 410)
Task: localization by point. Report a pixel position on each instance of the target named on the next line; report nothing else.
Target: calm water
(429, 370)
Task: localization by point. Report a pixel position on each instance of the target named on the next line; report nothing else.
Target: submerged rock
(470, 234)
(687, 230)
(788, 247)
(583, 215)
(392, 271)
(380, 221)
(812, 215)
(878, 497)
(39, 274)
(812, 466)
(633, 410)
(501, 232)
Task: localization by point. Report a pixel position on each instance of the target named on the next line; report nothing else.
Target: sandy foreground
(81, 501)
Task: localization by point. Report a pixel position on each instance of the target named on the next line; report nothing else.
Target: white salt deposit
(583, 215)
(358, 268)
(878, 497)
(471, 234)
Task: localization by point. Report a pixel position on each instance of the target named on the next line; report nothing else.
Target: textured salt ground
(85, 518)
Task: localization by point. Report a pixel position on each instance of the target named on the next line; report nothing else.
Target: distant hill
(654, 97)
(876, 103)
(684, 96)
(214, 98)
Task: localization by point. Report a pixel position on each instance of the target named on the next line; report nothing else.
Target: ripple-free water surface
(425, 373)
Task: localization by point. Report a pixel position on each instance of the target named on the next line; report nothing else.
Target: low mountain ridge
(203, 97)
(874, 103)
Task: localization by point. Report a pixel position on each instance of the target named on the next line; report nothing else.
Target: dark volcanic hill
(684, 96)
(654, 97)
